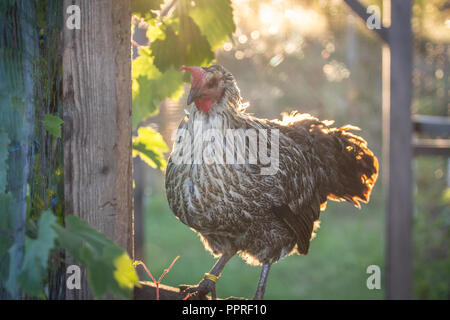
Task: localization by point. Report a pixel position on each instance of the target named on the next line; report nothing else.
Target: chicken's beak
(197, 75)
(194, 94)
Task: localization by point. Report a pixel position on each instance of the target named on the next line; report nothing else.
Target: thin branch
(157, 283)
(149, 291)
(361, 11)
(168, 269)
(166, 10)
(137, 45)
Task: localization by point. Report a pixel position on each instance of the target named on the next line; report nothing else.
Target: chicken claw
(201, 290)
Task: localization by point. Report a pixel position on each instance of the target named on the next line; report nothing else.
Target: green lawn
(348, 242)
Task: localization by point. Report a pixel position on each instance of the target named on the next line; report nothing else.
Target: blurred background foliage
(318, 58)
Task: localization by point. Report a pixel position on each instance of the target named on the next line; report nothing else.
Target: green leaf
(150, 87)
(4, 142)
(188, 47)
(186, 38)
(108, 270)
(53, 124)
(150, 147)
(35, 261)
(156, 30)
(194, 45)
(124, 273)
(167, 51)
(215, 20)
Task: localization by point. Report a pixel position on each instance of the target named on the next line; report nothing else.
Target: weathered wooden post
(397, 39)
(97, 121)
(397, 127)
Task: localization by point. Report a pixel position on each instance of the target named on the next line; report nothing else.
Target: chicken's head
(207, 87)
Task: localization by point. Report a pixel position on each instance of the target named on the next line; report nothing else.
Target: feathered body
(235, 208)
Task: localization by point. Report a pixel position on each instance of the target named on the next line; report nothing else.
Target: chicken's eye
(212, 83)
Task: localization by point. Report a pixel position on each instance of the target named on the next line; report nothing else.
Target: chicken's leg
(207, 285)
(262, 282)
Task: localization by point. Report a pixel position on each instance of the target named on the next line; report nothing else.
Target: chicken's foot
(208, 284)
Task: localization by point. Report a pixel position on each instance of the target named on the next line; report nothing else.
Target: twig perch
(136, 263)
(148, 291)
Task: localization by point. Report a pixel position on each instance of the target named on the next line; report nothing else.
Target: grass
(348, 242)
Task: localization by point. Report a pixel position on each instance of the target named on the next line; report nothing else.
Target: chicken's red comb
(197, 72)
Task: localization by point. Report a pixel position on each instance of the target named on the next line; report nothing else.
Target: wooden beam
(432, 147)
(361, 11)
(432, 125)
(97, 122)
(397, 93)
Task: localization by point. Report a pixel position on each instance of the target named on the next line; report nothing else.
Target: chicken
(222, 183)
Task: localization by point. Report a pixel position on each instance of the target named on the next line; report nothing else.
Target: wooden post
(397, 91)
(97, 122)
(396, 34)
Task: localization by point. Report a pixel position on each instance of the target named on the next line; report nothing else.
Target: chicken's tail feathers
(350, 167)
(356, 167)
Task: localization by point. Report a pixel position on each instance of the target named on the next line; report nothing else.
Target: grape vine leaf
(36, 254)
(125, 276)
(109, 267)
(187, 37)
(53, 124)
(156, 30)
(214, 19)
(188, 47)
(197, 50)
(150, 147)
(150, 87)
(167, 51)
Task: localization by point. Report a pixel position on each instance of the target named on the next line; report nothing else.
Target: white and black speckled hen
(262, 211)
